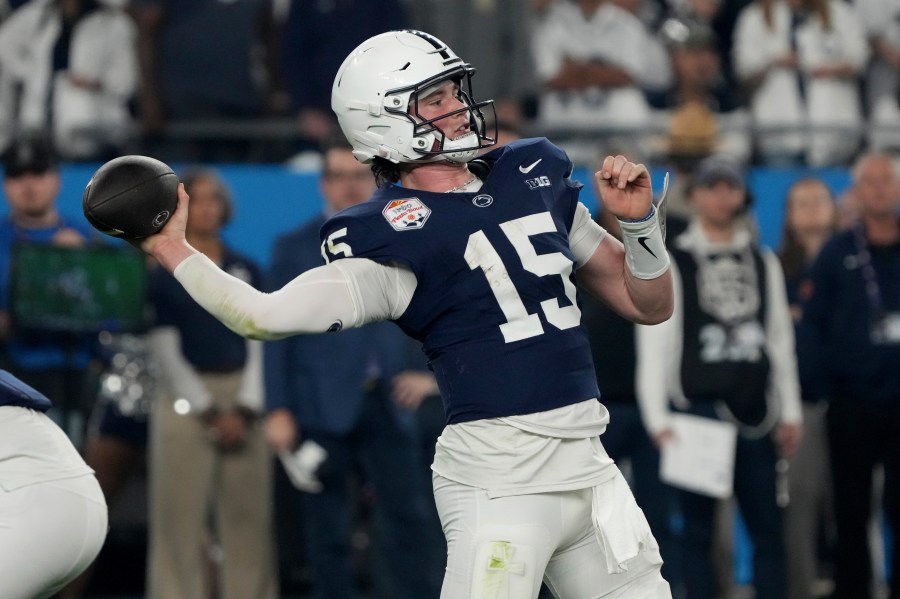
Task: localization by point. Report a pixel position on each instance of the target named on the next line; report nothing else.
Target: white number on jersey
(743, 344)
(520, 324)
(330, 248)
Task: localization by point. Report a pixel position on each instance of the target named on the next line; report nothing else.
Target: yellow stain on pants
(499, 568)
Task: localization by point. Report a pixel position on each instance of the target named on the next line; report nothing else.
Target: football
(131, 197)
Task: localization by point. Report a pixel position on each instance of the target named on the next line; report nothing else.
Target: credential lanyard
(864, 261)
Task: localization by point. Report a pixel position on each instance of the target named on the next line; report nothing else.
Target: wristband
(645, 250)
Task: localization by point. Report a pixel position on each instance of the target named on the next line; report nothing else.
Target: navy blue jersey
(495, 304)
(14, 392)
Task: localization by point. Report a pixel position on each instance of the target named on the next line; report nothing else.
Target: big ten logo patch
(406, 214)
(542, 181)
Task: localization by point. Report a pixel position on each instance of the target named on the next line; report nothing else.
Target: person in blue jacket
(849, 349)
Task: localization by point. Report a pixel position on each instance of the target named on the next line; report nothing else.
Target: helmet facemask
(428, 139)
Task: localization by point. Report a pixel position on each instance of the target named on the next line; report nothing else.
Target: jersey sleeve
(360, 232)
(584, 236)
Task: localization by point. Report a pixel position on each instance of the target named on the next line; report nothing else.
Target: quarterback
(480, 257)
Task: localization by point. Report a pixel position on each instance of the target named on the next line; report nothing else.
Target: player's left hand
(625, 188)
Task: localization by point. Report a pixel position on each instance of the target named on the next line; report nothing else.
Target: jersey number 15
(519, 323)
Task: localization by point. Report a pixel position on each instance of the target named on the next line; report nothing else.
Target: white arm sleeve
(585, 235)
(784, 379)
(347, 293)
(658, 349)
(251, 393)
(183, 380)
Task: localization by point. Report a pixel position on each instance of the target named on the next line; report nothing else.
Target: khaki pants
(195, 488)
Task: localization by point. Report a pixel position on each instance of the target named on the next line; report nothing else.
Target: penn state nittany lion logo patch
(406, 214)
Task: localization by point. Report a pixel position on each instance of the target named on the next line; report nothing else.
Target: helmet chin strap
(469, 141)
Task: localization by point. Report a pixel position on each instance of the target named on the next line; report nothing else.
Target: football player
(53, 516)
(478, 257)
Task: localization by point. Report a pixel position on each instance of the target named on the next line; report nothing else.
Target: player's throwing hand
(625, 188)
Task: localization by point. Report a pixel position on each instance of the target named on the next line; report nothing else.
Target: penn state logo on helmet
(406, 214)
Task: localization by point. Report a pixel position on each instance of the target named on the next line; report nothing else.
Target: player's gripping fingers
(619, 172)
(175, 227)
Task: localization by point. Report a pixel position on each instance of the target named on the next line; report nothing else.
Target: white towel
(620, 525)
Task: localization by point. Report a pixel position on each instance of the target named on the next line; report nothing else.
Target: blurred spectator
(650, 12)
(849, 343)
(718, 15)
(658, 75)
(68, 68)
(117, 432)
(693, 135)
(700, 92)
(417, 390)
(848, 213)
(205, 61)
(316, 38)
(726, 354)
(881, 22)
(209, 468)
(801, 61)
(810, 219)
(334, 392)
(55, 361)
(495, 33)
(591, 59)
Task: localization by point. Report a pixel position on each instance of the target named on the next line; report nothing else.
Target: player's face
(345, 181)
(444, 99)
(32, 195)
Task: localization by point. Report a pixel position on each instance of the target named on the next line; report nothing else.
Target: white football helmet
(375, 97)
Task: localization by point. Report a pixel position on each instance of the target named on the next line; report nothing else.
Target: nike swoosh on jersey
(643, 242)
(527, 169)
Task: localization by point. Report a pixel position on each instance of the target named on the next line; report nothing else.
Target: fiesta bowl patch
(405, 214)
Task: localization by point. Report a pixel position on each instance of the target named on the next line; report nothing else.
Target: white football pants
(50, 532)
(503, 548)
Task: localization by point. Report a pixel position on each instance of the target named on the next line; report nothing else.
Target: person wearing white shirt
(801, 61)
(726, 354)
(593, 58)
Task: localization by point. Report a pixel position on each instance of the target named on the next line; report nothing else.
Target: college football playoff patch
(406, 214)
